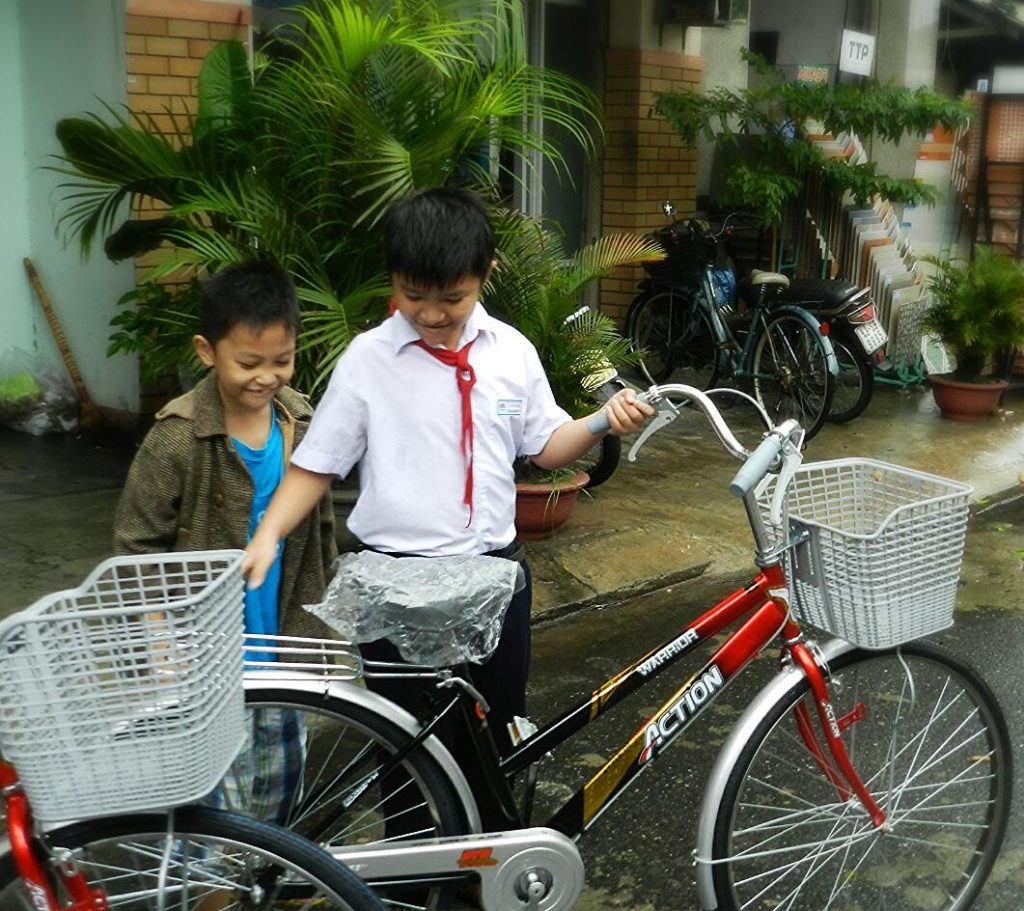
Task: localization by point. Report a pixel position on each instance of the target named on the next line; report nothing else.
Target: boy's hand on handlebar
(626, 413)
(259, 557)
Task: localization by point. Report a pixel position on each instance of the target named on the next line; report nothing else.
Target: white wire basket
(125, 693)
(881, 562)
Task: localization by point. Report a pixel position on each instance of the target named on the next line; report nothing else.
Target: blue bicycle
(685, 321)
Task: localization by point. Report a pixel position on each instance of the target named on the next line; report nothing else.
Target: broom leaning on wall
(89, 415)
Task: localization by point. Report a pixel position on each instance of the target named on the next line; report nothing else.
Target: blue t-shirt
(266, 466)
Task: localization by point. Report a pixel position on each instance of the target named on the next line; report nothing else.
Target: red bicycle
(873, 771)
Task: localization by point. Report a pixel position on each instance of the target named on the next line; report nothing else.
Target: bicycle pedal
(520, 729)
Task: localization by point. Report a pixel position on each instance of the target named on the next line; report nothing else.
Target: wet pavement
(659, 540)
(660, 520)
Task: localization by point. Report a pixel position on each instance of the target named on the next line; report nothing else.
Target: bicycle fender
(812, 321)
(373, 702)
(727, 757)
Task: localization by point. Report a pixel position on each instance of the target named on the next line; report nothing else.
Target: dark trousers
(501, 680)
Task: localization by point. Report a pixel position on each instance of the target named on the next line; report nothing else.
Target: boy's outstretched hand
(259, 557)
(626, 413)
(294, 498)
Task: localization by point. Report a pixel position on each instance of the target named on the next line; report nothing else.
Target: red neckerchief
(466, 379)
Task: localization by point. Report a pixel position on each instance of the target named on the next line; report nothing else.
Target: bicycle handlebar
(756, 464)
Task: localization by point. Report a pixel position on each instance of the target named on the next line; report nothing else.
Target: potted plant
(537, 288)
(544, 500)
(978, 314)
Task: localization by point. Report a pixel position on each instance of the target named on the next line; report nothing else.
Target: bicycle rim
(791, 375)
(934, 752)
(323, 783)
(213, 860)
(854, 384)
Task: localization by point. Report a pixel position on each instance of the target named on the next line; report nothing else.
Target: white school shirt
(394, 410)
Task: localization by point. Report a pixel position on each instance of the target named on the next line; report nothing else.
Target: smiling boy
(207, 469)
(434, 405)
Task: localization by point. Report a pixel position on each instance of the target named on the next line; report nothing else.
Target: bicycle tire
(216, 857)
(649, 329)
(600, 461)
(790, 371)
(855, 384)
(944, 743)
(343, 744)
(676, 336)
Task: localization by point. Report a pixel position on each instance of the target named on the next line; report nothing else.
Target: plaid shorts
(265, 780)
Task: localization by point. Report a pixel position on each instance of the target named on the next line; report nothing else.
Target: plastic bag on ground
(436, 610)
(34, 397)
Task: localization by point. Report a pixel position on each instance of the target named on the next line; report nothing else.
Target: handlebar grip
(756, 466)
(598, 423)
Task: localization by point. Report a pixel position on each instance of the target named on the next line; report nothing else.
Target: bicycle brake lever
(791, 459)
(667, 413)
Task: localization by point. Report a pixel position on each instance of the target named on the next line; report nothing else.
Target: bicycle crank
(534, 869)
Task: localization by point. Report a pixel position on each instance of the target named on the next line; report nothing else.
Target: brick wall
(645, 162)
(165, 43)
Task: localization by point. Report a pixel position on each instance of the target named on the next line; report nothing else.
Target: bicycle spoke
(925, 746)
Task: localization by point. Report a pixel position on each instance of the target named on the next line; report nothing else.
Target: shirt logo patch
(510, 408)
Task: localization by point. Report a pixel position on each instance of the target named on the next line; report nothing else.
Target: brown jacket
(188, 489)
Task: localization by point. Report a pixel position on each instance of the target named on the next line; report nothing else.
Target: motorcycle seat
(760, 277)
(829, 294)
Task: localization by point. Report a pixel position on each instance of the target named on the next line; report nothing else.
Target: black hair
(255, 294)
(436, 236)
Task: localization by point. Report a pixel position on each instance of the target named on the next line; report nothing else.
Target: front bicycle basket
(686, 255)
(881, 561)
(125, 693)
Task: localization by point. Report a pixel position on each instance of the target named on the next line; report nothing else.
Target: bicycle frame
(33, 874)
(760, 612)
(763, 602)
(762, 606)
(735, 357)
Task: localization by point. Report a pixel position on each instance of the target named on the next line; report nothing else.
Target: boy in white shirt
(433, 406)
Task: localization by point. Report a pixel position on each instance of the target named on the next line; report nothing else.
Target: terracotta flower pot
(960, 401)
(541, 508)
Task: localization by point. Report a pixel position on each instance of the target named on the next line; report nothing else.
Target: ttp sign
(857, 53)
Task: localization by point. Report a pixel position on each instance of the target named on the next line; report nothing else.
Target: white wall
(56, 59)
(723, 68)
(809, 32)
(17, 325)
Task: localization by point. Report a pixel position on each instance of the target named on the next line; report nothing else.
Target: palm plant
(977, 308)
(539, 289)
(297, 157)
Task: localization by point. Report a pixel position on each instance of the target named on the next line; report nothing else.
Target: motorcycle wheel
(855, 383)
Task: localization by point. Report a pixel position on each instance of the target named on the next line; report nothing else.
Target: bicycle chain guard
(538, 869)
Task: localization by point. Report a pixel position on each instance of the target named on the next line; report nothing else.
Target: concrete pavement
(659, 521)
